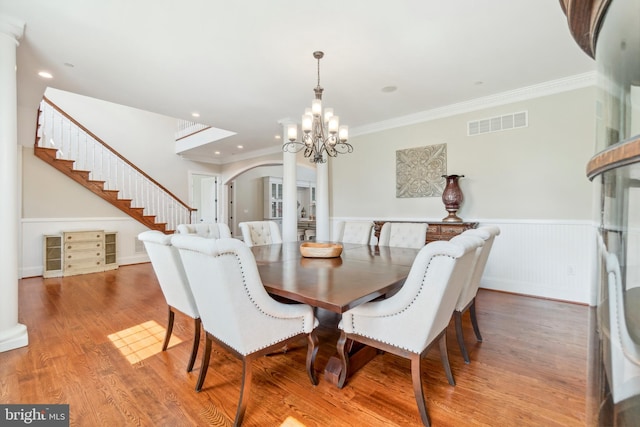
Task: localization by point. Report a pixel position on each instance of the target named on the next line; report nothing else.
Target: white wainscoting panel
(549, 259)
(545, 259)
(31, 262)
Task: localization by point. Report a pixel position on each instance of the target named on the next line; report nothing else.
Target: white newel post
(322, 201)
(289, 192)
(12, 334)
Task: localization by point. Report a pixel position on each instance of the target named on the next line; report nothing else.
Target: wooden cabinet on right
(446, 230)
(436, 230)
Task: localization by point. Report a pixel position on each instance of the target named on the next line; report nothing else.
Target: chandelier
(321, 133)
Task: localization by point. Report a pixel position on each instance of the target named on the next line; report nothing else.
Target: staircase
(72, 149)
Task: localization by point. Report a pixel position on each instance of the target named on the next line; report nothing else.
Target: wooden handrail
(193, 133)
(125, 160)
(621, 154)
(584, 18)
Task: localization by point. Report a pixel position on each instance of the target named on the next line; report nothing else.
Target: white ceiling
(246, 64)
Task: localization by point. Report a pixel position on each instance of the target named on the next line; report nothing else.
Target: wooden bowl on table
(320, 250)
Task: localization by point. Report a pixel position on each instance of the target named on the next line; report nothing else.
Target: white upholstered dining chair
(403, 234)
(258, 233)
(354, 232)
(167, 266)
(408, 323)
(237, 312)
(621, 352)
(467, 299)
(214, 230)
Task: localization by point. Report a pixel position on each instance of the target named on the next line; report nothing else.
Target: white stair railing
(74, 142)
(187, 128)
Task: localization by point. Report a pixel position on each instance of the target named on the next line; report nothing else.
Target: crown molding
(577, 81)
(566, 84)
(12, 27)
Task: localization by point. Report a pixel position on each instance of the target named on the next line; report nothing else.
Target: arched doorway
(243, 191)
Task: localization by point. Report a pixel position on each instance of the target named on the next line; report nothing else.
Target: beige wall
(536, 172)
(48, 193)
(249, 193)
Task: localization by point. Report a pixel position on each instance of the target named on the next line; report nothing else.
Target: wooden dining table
(360, 274)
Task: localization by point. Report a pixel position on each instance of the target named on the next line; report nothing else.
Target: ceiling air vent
(499, 123)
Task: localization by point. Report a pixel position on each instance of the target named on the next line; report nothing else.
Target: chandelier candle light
(321, 133)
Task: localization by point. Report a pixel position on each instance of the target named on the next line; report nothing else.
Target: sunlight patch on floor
(141, 341)
(291, 422)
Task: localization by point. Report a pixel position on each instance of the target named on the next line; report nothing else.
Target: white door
(209, 197)
(204, 197)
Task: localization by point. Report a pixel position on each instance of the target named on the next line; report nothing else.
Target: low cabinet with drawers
(79, 252)
(436, 230)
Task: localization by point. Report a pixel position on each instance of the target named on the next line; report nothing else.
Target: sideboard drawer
(84, 256)
(79, 236)
(83, 246)
(71, 269)
(451, 230)
(436, 230)
(433, 229)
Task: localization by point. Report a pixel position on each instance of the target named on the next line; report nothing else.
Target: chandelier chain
(318, 72)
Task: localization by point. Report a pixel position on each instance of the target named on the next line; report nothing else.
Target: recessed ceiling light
(389, 89)
(278, 137)
(45, 75)
(240, 147)
(217, 153)
(195, 114)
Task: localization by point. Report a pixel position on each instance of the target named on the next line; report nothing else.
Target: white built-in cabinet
(79, 252)
(273, 199)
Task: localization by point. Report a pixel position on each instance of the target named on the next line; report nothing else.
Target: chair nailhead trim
(246, 289)
(422, 286)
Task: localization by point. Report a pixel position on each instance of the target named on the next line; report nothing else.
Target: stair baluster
(71, 148)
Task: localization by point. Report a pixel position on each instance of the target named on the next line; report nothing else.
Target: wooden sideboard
(437, 230)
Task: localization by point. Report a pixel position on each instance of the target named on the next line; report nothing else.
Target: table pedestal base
(359, 355)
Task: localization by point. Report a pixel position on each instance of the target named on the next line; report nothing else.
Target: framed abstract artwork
(419, 171)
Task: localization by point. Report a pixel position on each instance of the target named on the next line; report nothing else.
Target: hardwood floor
(530, 370)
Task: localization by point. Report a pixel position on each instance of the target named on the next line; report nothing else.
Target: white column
(289, 191)
(12, 334)
(322, 201)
